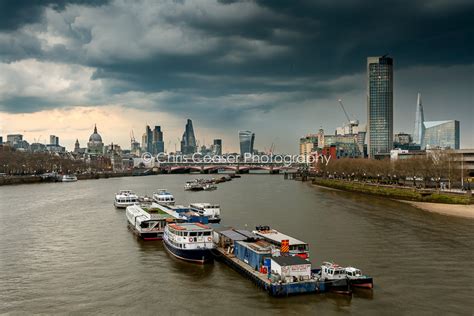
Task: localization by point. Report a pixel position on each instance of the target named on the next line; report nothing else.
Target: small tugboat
(148, 224)
(211, 211)
(357, 279)
(125, 198)
(163, 197)
(336, 276)
(189, 241)
(68, 178)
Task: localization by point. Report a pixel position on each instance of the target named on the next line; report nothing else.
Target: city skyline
(58, 77)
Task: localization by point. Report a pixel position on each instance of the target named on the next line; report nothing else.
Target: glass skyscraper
(441, 134)
(246, 139)
(188, 142)
(379, 105)
(158, 144)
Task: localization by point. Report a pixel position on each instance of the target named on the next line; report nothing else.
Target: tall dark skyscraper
(379, 105)
(188, 142)
(158, 144)
(148, 140)
(217, 147)
(246, 139)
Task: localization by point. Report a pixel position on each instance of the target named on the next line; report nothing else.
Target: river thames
(64, 248)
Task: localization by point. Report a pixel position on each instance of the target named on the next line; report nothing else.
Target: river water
(64, 248)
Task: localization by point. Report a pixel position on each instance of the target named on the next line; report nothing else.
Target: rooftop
(290, 260)
(189, 226)
(278, 237)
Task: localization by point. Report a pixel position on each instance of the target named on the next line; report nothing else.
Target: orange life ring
(190, 239)
(209, 238)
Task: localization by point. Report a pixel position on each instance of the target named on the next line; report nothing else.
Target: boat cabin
(162, 196)
(332, 271)
(296, 247)
(189, 235)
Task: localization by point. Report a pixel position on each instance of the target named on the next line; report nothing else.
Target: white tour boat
(189, 241)
(68, 178)
(211, 211)
(125, 198)
(163, 197)
(148, 224)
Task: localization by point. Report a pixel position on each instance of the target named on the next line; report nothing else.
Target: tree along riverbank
(29, 179)
(399, 193)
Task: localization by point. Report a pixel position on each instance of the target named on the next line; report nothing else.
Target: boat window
(193, 234)
(185, 234)
(200, 234)
(207, 233)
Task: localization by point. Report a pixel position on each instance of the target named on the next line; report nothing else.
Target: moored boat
(211, 211)
(68, 178)
(193, 186)
(125, 198)
(336, 278)
(148, 224)
(357, 279)
(189, 241)
(162, 196)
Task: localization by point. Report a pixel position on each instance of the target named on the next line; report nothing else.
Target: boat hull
(200, 256)
(148, 236)
(367, 283)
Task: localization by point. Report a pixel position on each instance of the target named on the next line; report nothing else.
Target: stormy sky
(273, 67)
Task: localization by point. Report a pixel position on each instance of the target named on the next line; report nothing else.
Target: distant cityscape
(373, 140)
(376, 139)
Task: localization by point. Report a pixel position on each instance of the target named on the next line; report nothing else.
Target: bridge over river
(244, 167)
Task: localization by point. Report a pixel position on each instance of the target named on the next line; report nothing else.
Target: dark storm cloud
(299, 49)
(16, 13)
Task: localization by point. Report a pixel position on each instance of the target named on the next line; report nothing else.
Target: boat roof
(332, 265)
(261, 246)
(163, 192)
(189, 226)
(203, 204)
(290, 260)
(276, 236)
(352, 269)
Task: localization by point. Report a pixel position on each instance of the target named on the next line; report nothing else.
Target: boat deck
(262, 281)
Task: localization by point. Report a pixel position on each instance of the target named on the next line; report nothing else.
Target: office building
(308, 144)
(246, 139)
(441, 134)
(158, 145)
(188, 141)
(419, 132)
(379, 106)
(53, 140)
(217, 147)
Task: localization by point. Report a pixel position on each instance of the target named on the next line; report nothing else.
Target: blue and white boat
(189, 241)
(163, 197)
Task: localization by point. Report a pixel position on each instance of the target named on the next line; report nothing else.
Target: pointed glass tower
(419, 132)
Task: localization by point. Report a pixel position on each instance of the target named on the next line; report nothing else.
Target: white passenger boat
(211, 211)
(189, 241)
(147, 223)
(125, 198)
(163, 197)
(68, 178)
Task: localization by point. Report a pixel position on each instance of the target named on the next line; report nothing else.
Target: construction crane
(342, 106)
